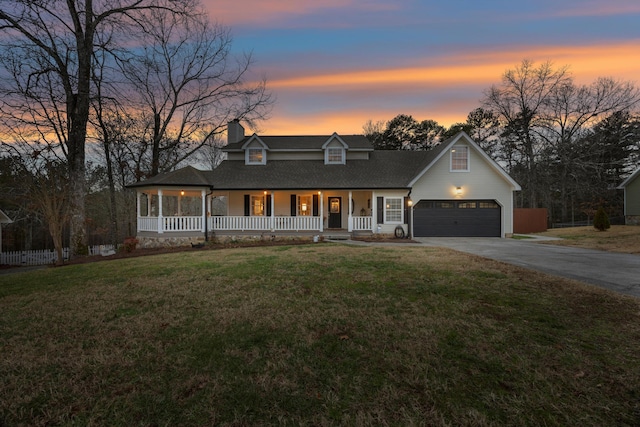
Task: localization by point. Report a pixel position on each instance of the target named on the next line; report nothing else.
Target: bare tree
(55, 41)
(519, 103)
(189, 86)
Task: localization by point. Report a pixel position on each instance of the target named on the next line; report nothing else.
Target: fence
(45, 256)
(527, 220)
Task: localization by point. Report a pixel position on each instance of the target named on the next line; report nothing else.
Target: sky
(332, 65)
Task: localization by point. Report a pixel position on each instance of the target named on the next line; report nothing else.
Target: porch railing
(244, 223)
(279, 223)
(361, 223)
(170, 223)
(147, 223)
(182, 223)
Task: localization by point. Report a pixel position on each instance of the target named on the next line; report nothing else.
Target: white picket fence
(45, 256)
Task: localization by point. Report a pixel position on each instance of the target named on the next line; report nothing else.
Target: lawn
(619, 238)
(318, 334)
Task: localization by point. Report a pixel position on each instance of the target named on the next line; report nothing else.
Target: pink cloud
(282, 12)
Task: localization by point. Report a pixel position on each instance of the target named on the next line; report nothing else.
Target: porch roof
(185, 177)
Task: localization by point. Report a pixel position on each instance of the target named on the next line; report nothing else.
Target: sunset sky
(334, 64)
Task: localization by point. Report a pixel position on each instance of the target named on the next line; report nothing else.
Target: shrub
(601, 220)
(130, 244)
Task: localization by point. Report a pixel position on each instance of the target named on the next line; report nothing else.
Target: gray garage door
(459, 218)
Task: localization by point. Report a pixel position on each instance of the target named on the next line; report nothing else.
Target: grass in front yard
(314, 335)
(619, 238)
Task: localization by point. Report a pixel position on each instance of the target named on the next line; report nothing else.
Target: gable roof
(185, 177)
(441, 149)
(629, 179)
(4, 218)
(383, 170)
(302, 143)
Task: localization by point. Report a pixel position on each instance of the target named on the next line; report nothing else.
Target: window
(488, 205)
(393, 210)
(305, 207)
(467, 205)
(460, 159)
(255, 156)
(257, 206)
(443, 205)
(335, 155)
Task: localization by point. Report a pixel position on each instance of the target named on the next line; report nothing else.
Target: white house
(328, 184)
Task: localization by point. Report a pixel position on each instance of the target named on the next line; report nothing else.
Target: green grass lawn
(314, 335)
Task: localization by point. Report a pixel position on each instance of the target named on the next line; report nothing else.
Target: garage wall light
(458, 191)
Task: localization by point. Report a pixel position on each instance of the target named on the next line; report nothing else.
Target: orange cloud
(446, 92)
(586, 62)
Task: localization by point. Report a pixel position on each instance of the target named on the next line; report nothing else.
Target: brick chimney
(235, 131)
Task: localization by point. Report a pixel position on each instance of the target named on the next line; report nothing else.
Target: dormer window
(334, 156)
(255, 156)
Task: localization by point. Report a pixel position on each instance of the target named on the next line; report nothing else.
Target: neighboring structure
(4, 219)
(631, 187)
(315, 185)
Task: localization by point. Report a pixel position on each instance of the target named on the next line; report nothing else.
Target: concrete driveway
(616, 272)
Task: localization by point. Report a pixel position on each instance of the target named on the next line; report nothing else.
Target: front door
(335, 212)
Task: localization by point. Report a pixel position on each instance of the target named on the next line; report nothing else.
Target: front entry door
(335, 212)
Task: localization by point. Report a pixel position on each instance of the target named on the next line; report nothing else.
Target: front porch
(170, 211)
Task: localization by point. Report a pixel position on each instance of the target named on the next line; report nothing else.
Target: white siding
(481, 182)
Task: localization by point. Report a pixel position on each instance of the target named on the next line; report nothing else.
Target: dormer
(255, 151)
(335, 151)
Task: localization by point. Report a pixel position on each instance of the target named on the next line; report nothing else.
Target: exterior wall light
(458, 191)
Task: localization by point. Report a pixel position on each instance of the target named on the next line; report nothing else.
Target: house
(4, 219)
(631, 187)
(319, 185)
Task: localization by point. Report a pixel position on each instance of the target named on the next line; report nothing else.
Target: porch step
(345, 236)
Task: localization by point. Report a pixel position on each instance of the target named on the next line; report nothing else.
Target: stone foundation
(168, 242)
(632, 220)
(148, 242)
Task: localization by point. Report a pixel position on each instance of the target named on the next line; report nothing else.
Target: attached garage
(457, 218)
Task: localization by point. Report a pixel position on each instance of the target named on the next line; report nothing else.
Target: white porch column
(180, 204)
(374, 212)
(273, 211)
(160, 221)
(321, 211)
(137, 213)
(204, 209)
(148, 204)
(350, 220)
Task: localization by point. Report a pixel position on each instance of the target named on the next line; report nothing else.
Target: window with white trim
(255, 156)
(393, 210)
(257, 205)
(460, 158)
(305, 206)
(335, 155)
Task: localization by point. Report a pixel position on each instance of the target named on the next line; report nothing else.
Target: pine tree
(601, 220)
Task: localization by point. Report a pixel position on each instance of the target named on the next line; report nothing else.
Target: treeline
(568, 145)
(96, 94)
